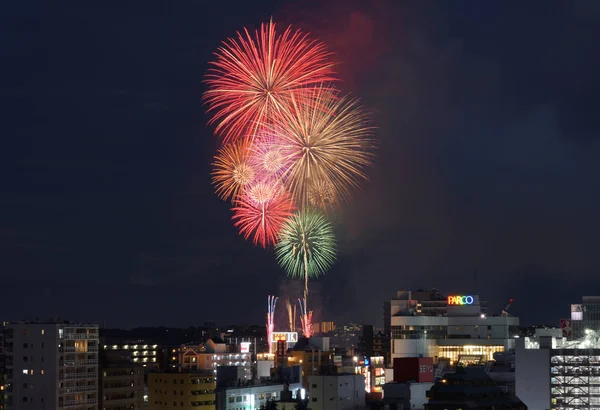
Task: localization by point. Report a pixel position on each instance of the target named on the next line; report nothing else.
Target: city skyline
(485, 180)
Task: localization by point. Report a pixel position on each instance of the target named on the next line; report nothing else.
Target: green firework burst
(306, 246)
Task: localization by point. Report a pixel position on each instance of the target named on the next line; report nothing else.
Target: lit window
(43, 331)
(42, 371)
(31, 371)
(25, 371)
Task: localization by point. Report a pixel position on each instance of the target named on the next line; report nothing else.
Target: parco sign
(460, 300)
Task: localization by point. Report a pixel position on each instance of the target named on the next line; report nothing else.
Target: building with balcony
(427, 324)
(51, 365)
(553, 372)
(121, 387)
(181, 390)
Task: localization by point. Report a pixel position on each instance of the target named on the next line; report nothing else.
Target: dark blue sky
(487, 179)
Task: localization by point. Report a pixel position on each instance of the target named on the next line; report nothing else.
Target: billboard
(460, 300)
(565, 326)
(577, 312)
(290, 337)
(418, 369)
(281, 353)
(244, 347)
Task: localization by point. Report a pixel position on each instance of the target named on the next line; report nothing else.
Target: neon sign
(290, 337)
(460, 300)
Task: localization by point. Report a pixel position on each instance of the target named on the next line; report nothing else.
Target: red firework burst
(259, 213)
(254, 77)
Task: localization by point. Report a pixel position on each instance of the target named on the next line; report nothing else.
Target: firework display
(261, 212)
(232, 170)
(325, 145)
(293, 148)
(306, 246)
(271, 303)
(254, 77)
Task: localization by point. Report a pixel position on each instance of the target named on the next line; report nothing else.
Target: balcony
(81, 336)
(78, 389)
(78, 403)
(80, 363)
(77, 376)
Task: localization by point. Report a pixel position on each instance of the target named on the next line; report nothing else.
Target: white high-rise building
(552, 372)
(428, 324)
(52, 366)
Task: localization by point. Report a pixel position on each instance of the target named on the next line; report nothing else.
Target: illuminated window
(25, 371)
(42, 371)
(43, 331)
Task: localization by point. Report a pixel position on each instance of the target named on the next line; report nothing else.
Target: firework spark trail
(305, 319)
(260, 212)
(272, 302)
(291, 309)
(254, 77)
(327, 145)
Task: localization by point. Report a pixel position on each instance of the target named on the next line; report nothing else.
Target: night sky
(486, 181)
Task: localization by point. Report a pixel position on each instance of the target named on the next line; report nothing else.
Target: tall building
(170, 391)
(52, 365)
(213, 355)
(425, 323)
(373, 344)
(584, 315)
(336, 392)
(3, 386)
(555, 373)
(310, 356)
(122, 387)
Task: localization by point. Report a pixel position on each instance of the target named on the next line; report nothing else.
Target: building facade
(373, 343)
(336, 392)
(584, 315)
(253, 397)
(471, 388)
(52, 365)
(169, 391)
(196, 358)
(143, 354)
(555, 373)
(122, 387)
(427, 324)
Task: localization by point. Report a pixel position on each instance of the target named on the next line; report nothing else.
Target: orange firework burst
(260, 212)
(254, 77)
(326, 146)
(232, 170)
